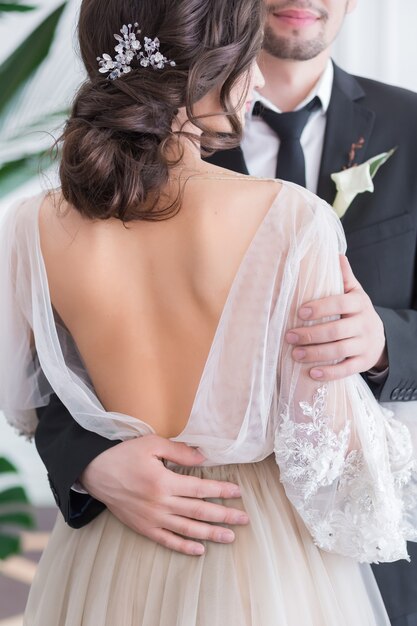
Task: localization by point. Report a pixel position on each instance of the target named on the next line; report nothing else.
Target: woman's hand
(168, 508)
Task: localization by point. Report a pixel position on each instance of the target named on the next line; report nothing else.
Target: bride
(152, 294)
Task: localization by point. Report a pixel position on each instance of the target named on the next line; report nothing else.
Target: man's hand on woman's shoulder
(354, 340)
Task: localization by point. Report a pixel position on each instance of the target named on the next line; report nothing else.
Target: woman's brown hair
(114, 159)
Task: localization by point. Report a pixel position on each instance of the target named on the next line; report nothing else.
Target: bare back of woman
(143, 300)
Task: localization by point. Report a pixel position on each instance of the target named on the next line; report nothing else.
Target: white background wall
(378, 41)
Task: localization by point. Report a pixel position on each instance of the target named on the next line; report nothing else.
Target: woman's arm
(344, 462)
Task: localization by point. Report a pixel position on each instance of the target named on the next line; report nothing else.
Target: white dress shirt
(257, 133)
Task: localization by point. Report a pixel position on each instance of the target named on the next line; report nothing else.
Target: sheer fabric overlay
(346, 463)
(105, 574)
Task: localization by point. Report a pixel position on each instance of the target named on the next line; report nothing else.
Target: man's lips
(296, 17)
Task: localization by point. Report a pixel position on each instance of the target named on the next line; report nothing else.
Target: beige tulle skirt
(272, 575)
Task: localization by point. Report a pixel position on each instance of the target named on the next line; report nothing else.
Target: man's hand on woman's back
(168, 508)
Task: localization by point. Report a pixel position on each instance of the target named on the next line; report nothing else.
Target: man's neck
(287, 82)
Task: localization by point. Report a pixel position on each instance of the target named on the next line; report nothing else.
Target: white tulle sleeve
(346, 463)
(38, 357)
(22, 385)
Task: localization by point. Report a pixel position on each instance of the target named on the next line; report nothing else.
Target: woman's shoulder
(295, 210)
(50, 215)
(21, 210)
(305, 209)
(309, 220)
(244, 183)
(19, 224)
(64, 228)
(237, 195)
(242, 187)
(83, 257)
(298, 204)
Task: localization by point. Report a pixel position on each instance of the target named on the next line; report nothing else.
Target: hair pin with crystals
(129, 48)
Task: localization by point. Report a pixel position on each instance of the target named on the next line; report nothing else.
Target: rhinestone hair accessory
(129, 48)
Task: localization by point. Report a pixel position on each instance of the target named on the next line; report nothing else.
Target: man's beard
(291, 48)
(285, 48)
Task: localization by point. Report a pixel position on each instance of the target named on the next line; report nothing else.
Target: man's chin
(292, 48)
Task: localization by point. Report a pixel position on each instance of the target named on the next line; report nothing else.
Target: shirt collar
(322, 89)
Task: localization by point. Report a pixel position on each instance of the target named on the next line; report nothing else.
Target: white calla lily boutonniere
(355, 180)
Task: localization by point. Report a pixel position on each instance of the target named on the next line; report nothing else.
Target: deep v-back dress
(326, 474)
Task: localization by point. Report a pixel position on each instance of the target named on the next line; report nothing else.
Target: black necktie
(289, 128)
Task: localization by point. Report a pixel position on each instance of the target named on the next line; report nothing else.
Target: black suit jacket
(381, 231)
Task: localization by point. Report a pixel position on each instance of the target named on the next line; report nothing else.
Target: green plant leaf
(13, 7)
(15, 513)
(26, 59)
(14, 495)
(24, 520)
(16, 173)
(6, 467)
(9, 545)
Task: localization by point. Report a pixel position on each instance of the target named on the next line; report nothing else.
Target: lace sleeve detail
(366, 519)
(311, 454)
(347, 465)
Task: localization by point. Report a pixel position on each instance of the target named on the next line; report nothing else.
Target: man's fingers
(193, 487)
(348, 303)
(337, 372)
(345, 328)
(208, 512)
(349, 279)
(332, 306)
(144, 495)
(327, 352)
(175, 542)
(178, 453)
(200, 530)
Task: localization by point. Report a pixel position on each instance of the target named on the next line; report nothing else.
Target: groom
(343, 122)
(320, 120)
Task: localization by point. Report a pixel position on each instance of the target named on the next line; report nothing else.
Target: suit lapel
(348, 121)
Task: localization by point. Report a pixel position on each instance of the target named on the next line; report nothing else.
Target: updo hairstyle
(114, 158)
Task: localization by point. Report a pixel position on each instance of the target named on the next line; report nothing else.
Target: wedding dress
(327, 475)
